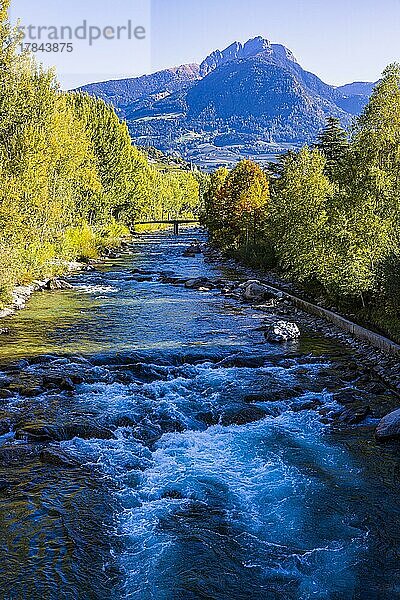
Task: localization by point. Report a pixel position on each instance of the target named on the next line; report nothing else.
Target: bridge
(174, 222)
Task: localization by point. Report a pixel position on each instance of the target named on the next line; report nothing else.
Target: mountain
(249, 100)
(142, 90)
(354, 95)
(358, 88)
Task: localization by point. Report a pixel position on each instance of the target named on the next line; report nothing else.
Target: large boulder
(55, 457)
(58, 433)
(352, 415)
(254, 291)
(58, 382)
(165, 278)
(247, 414)
(389, 427)
(282, 331)
(58, 284)
(141, 275)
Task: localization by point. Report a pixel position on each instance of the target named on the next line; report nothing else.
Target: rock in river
(248, 414)
(282, 331)
(254, 291)
(57, 433)
(58, 284)
(197, 283)
(353, 416)
(56, 457)
(193, 249)
(389, 427)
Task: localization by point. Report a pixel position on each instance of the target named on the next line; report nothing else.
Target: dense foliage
(332, 220)
(236, 202)
(70, 179)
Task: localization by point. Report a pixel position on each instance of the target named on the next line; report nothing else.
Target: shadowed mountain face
(249, 100)
(145, 90)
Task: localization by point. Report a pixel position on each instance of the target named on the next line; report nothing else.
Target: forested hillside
(326, 216)
(251, 100)
(71, 183)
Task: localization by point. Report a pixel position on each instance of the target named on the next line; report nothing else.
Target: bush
(7, 274)
(259, 256)
(35, 260)
(112, 234)
(80, 243)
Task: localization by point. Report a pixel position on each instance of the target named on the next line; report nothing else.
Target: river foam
(189, 458)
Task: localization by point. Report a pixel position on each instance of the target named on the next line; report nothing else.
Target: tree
(376, 147)
(214, 209)
(370, 198)
(299, 215)
(333, 143)
(117, 160)
(70, 179)
(236, 205)
(276, 168)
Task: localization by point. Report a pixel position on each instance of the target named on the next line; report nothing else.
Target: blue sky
(341, 41)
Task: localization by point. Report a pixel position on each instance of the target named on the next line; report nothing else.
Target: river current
(154, 446)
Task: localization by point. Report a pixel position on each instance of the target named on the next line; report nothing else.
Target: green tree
(214, 211)
(376, 147)
(299, 215)
(70, 178)
(333, 143)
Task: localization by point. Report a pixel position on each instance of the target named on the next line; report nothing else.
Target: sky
(340, 41)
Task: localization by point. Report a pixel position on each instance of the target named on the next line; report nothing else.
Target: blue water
(221, 478)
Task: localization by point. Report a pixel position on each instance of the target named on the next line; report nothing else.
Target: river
(154, 447)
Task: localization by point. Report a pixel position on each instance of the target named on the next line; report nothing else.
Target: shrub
(80, 243)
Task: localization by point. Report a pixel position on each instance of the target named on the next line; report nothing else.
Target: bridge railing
(174, 222)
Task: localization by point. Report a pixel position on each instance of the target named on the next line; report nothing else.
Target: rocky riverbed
(171, 428)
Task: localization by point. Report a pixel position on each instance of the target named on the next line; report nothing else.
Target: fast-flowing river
(154, 447)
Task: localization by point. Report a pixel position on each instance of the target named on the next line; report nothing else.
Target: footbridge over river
(174, 222)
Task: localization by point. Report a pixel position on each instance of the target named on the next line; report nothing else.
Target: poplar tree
(376, 146)
(215, 215)
(299, 215)
(70, 179)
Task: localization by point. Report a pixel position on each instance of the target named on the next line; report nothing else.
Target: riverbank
(383, 363)
(22, 293)
(378, 316)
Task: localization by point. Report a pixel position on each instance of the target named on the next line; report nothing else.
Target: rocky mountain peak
(255, 46)
(235, 51)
